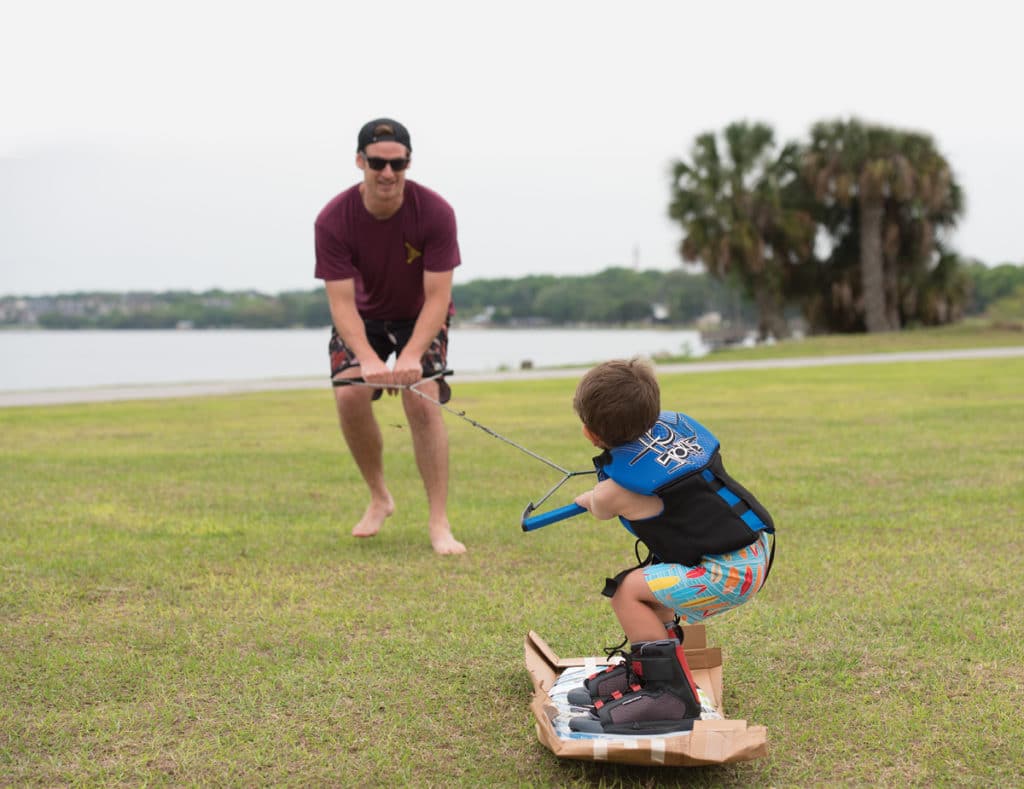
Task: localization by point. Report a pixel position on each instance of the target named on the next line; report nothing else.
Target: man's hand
(376, 372)
(407, 370)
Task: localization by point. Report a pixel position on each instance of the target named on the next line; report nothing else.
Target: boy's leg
(659, 694)
(616, 678)
(642, 617)
(649, 598)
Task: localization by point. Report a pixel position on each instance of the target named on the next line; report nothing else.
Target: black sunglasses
(379, 163)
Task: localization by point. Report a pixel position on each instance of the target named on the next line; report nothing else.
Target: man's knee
(353, 400)
(421, 408)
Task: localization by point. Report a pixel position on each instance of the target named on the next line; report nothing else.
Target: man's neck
(381, 209)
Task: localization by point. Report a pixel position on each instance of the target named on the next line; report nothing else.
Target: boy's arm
(608, 499)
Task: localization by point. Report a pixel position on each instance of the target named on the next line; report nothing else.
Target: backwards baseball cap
(383, 130)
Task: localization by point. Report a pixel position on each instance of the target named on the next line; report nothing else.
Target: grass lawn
(975, 333)
(180, 602)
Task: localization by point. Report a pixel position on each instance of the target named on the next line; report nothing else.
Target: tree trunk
(891, 264)
(871, 278)
(892, 295)
(770, 320)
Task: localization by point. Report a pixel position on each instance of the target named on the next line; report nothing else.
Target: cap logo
(383, 130)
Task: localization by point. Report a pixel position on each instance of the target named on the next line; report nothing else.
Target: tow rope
(529, 521)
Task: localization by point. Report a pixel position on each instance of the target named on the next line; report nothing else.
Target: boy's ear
(593, 438)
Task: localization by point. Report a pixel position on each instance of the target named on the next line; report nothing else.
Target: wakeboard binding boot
(614, 679)
(666, 700)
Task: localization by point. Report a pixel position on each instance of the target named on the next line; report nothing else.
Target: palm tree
(919, 269)
(848, 162)
(735, 219)
(899, 189)
(941, 294)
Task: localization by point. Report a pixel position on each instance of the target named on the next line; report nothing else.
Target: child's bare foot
(376, 512)
(444, 541)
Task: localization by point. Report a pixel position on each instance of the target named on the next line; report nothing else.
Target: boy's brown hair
(619, 400)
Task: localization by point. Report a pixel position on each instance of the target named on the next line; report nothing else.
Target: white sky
(189, 145)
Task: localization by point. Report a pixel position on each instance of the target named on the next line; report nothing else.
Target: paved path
(102, 394)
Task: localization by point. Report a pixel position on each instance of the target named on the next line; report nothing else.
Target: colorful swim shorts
(387, 337)
(716, 585)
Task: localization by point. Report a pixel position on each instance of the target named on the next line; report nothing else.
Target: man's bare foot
(444, 541)
(373, 518)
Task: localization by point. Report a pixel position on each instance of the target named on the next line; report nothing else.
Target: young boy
(661, 473)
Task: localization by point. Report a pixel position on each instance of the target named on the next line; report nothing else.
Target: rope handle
(529, 521)
(364, 382)
(551, 516)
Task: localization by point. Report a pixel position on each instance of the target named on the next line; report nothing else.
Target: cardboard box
(713, 740)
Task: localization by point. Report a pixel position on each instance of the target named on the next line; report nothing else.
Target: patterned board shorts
(387, 337)
(716, 585)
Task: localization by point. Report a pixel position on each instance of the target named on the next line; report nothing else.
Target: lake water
(77, 359)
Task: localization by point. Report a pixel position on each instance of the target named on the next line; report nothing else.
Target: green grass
(975, 333)
(180, 602)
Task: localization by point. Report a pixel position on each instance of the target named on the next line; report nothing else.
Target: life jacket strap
(747, 515)
(738, 505)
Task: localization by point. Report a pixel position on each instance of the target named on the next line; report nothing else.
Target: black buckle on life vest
(611, 585)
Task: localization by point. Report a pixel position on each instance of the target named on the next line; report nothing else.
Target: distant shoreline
(103, 394)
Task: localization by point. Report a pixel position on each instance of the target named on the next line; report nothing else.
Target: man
(386, 249)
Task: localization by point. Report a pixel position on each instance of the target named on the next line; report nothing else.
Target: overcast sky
(189, 145)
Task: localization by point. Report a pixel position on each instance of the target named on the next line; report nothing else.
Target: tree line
(615, 296)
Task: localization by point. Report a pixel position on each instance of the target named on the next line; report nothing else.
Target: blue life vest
(706, 512)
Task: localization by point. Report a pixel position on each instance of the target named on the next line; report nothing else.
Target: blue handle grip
(553, 516)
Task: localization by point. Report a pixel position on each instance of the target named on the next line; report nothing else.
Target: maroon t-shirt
(386, 257)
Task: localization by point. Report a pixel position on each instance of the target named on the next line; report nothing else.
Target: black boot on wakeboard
(603, 685)
(666, 702)
(614, 679)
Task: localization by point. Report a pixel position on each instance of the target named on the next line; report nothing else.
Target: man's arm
(437, 291)
(341, 296)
